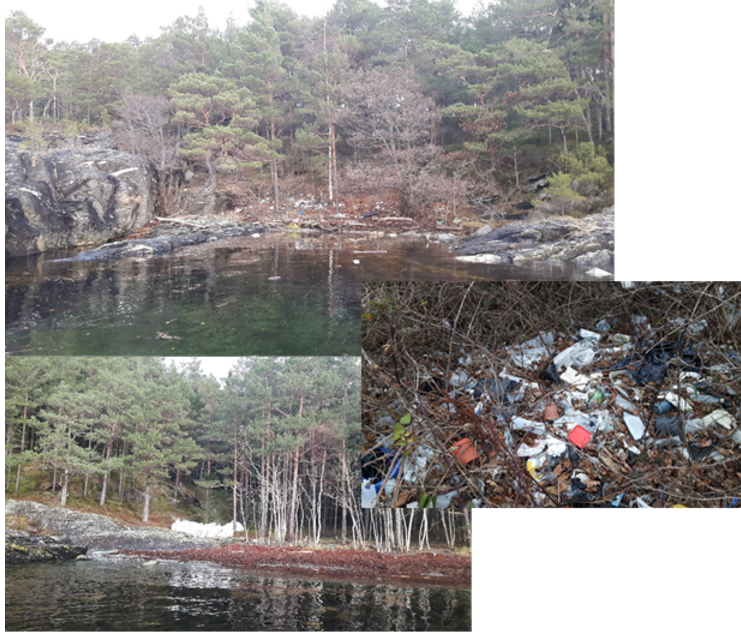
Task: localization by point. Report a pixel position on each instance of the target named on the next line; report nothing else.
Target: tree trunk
(104, 488)
(276, 189)
(147, 495)
(234, 485)
(210, 186)
(177, 485)
(608, 57)
(333, 168)
(23, 446)
(294, 495)
(65, 488)
(467, 519)
(343, 494)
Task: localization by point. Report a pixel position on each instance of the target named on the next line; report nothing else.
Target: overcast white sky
(218, 366)
(82, 20)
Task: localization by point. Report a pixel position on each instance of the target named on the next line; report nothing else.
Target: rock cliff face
(73, 197)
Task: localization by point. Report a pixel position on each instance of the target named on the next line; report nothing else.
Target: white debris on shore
(212, 530)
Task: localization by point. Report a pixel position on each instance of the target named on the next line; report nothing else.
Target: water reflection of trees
(214, 292)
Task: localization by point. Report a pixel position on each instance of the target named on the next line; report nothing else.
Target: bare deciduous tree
(144, 131)
(390, 124)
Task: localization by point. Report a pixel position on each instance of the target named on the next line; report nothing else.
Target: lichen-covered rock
(22, 547)
(73, 197)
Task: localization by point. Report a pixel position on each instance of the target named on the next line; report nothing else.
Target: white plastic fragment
(551, 445)
(528, 425)
(572, 377)
(578, 355)
(642, 504)
(525, 355)
(635, 425)
(368, 495)
(416, 464)
(443, 501)
(459, 379)
(526, 451)
(694, 376)
(678, 402)
(693, 425)
(556, 447)
(588, 334)
(624, 403)
(721, 417)
(595, 272)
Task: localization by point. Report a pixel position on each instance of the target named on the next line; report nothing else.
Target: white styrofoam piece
(572, 377)
(635, 425)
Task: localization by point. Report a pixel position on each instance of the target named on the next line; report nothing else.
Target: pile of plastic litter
(636, 417)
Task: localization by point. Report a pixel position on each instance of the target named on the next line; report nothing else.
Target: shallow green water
(214, 299)
(218, 298)
(110, 595)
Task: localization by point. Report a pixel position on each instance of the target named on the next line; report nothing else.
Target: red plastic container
(580, 436)
(465, 451)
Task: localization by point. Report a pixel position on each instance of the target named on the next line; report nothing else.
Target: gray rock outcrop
(98, 532)
(81, 196)
(22, 547)
(587, 243)
(159, 246)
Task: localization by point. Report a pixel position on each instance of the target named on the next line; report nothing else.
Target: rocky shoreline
(23, 547)
(162, 245)
(87, 531)
(57, 534)
(588, 243)
(87, 196)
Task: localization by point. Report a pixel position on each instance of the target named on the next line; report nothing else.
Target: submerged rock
(72, 197)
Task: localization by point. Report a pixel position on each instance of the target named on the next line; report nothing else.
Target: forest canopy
(411, 97)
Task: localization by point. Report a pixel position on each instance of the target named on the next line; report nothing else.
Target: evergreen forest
(410, 98)
(274, 446)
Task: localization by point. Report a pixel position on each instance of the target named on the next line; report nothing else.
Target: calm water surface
(107, 594)
(218, 298)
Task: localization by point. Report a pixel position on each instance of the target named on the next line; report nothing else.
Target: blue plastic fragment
(396, 460)
(732, 504)
(618, 499)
